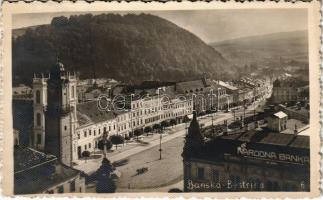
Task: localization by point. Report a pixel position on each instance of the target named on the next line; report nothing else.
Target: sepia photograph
(166, 101)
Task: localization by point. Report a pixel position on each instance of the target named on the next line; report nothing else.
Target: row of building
(66, 127)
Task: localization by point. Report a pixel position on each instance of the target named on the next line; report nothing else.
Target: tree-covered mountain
(129, 48)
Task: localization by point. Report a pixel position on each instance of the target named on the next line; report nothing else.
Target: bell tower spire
(194, 139)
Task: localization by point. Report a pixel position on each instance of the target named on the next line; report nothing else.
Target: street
(136, 156)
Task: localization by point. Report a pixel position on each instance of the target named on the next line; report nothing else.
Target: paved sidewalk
(92, 165)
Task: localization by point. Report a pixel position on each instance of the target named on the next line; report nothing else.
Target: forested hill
(129, 48)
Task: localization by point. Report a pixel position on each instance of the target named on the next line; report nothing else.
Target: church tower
(60, 117)
(194, 139)
(39, 106)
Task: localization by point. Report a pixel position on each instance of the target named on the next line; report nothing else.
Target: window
(89, 145)
(90, 132)
(37, 96)
(94, 133)
(200, 173)
(60, 189)
(38, 138)
(65, 128)
(78, 136)
(38, 119)
(85, 134)
(85, 147)
(72, 186)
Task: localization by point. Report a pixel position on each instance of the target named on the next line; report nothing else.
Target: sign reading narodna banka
(271, 155)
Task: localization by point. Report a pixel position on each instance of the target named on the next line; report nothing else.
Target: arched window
(37, 96)
(38, 119)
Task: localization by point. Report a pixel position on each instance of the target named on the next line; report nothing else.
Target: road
(135, 156)
(91, 165)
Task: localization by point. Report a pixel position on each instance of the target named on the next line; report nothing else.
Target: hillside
(288, 45)
(272, 53)
(129, 48)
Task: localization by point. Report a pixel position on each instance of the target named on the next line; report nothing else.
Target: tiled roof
(43, 177)
(90, 113)
(26, 158)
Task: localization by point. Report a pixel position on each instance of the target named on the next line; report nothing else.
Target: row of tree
(119, 139)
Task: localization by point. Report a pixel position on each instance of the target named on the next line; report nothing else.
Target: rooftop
(90, 113)
(280, 115)
(230, 87)
(271, 138)
(27, 158)
(36, 171)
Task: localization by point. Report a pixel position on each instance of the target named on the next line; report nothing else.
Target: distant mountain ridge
(263, 48)
(129, 48)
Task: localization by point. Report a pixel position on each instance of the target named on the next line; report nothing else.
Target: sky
(209, 25)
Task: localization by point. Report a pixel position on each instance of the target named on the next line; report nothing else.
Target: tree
(186, 119)
(147, 129)
(127, 138)
(86, 154)
(117, 139)
(164, 124)
(137, 133)
(103, 143)
(172, 122)
(59, 21)
(105, 182)
(156, 126)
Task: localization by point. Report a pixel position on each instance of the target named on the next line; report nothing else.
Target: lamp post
(160, 148)
(131, 95)
(218, 99)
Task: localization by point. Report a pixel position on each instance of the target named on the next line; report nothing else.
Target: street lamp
(131, 95)
(160, 148)
(218, 99)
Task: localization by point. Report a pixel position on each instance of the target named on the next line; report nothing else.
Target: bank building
(250, 160)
